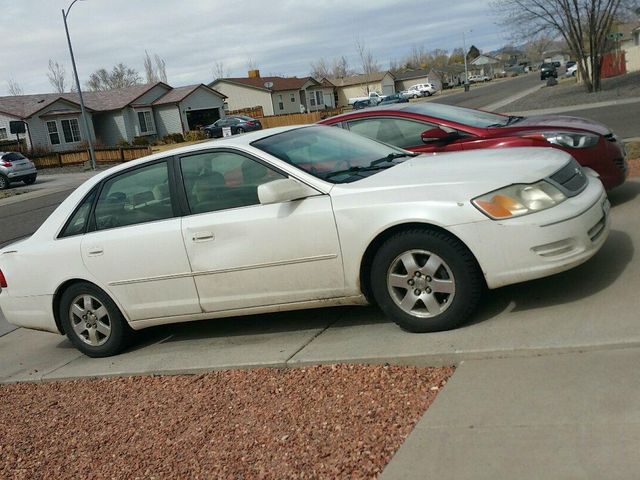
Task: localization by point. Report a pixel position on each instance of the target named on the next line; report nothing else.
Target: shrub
(122, 143)
(194, 135)
(141, 141)
(173, 138)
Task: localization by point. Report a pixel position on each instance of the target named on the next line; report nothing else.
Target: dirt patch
(569, 93)
(340, 421)
(10, 193)
(633, 158)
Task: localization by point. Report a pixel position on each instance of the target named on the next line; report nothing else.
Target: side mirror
(283, 190)
(435, 135)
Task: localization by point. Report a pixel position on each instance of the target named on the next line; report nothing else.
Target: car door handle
(95, 251)
(203, 237)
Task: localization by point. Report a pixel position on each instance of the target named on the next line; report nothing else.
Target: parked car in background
(412, 93)
(548, 70)
(360, 104)
(571, 71)
(570, 64)
(425, 89)
(430, 127)
(237, 124)
(15, 167)
(478, 78)
(374, 97)
(395, 98)
(298, 217)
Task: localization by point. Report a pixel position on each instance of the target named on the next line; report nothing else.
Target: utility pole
(92, 155)
(466, 70)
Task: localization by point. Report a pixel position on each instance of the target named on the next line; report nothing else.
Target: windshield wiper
(370, 168)
(510, 120)
(391, 157)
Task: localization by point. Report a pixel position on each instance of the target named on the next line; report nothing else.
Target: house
(486, 65)
(408, 78)
(153, 110)
(276, 95)
(448, 76)
(361, 85)
(561, 56)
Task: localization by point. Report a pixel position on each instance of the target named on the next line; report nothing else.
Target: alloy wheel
(90, 320)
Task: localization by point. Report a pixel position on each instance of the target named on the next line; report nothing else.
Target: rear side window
(395, 131)
(78, 222)
(12, 157)
(139, 196)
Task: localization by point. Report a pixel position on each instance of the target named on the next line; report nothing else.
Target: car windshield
(332, 154)
(463, 116)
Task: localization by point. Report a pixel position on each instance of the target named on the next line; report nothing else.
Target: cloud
(280, 36)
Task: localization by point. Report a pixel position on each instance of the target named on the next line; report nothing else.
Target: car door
(401, 132)
(244, 254)
(135, 247)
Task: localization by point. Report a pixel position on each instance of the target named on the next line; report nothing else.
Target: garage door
(202, 118)
(388, 90)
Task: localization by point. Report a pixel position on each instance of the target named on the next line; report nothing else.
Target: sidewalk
(572, 416)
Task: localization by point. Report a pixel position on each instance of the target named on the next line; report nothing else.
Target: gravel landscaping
(338, 421)
(633, 158)
(568, 93)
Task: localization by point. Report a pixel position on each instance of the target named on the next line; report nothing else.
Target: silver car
(14, 167)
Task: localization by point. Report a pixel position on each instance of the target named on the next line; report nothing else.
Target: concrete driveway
(593, 307)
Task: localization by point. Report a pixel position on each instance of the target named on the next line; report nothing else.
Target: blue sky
(278, 36)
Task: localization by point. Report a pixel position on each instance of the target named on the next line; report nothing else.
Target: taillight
(3, 281)
(251, 124)
(4, 163)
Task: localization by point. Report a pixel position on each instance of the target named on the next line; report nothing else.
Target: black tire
(415, 96)
(208, 134)
(30, 180)
(458, 269)
(240, 130)
(120, 333)
(428, 94)
(4, 182)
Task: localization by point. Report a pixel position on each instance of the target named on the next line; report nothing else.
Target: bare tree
(120, 77)
(457, 56)
(219, 70)
(367, 61)
(14, 88)
(57, 76)
(340, 68)
(155, 70)
(320, 69)
(536, 47)
(583, 24)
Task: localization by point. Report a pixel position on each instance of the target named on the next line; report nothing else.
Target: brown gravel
(340, 421)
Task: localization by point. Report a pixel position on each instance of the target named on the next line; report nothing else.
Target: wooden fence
(297, 118)
(78, 157)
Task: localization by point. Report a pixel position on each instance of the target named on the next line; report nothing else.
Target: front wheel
(92, 321)
(425, 280)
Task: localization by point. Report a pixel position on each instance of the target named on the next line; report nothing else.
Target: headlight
(570, 139)
(518, 200)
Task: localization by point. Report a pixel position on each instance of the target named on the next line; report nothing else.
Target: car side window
(139, 196)
(222, 180)
(78, 221)
(400, 132)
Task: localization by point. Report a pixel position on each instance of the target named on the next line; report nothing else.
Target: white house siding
(110, 127)
(289, 106)
(409, 82)
(167, 118)
(632, 55)
(4, 123)
(200, 99)
(152, 95)
(245, 97)
(40, 135)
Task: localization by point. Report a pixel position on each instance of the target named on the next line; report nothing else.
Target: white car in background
(571, 71)
(425, 89)
(298, 217)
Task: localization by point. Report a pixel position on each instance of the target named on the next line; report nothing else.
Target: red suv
(430, 127)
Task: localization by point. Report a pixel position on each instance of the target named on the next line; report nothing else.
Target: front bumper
(543, 243)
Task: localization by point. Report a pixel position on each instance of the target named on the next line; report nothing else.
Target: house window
(312, 100)
(293, 98)
(146, 122)
(319, 99)
(70, 130)
(280, 102)
(52, 128)
(3, 133)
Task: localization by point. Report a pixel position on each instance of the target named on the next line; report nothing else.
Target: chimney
(254, 73)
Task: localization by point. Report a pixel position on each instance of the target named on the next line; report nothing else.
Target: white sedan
(298, 217)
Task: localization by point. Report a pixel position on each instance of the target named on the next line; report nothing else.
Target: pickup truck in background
(373, 97)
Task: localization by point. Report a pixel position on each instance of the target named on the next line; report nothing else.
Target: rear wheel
(240, 130)
(4, 182)
(425, 280)
(92, 321)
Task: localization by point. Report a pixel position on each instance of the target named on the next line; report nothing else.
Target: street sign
(615, 36)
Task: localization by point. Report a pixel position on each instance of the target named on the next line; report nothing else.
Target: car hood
(469, 173)
(561, 121)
